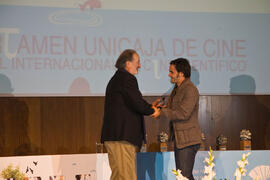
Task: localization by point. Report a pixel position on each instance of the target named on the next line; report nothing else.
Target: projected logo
(84, 15)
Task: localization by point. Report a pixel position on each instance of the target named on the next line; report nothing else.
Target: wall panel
(67, 125)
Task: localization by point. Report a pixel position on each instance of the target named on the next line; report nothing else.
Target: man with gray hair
(123, 129)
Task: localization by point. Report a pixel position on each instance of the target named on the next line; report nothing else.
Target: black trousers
(185, 158)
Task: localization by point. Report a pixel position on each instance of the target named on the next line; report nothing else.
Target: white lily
(209, 169)
(212, 175)
(246, 162)
(244, 156)
(241, 171)
(179, 175)
(241, 164)
(237, 174)
(207, 160)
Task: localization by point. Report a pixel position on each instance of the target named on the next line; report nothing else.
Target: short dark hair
(182, 65)
(126, 55)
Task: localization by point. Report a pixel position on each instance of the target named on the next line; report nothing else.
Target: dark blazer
(182, 111)
(124, 110)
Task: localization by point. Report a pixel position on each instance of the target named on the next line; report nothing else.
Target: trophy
(245, 139)
(222, 142)
(203, 139)
(163, 139)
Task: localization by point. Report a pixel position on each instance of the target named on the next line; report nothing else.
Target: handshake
(157, 105)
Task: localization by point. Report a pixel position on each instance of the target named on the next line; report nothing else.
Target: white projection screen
(69, 48)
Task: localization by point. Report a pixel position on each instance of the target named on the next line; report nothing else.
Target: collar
(183, 83)
(124, 71)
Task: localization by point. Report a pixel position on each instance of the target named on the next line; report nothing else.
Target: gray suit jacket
(182, 112)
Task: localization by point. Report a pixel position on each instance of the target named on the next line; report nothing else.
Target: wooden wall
(68, 125)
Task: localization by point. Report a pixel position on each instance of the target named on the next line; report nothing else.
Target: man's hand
(156, 113)
(156, 102)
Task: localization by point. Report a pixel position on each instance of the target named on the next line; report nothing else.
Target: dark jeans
(185, 158)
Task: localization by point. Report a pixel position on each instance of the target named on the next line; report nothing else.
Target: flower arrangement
(241, 171)
(210, 173)
(179, 175)
(208, 170)
(11, 172)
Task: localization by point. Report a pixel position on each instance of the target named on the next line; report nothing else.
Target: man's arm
(134, 98)
(184, 109)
